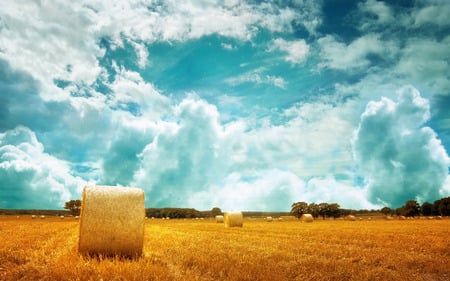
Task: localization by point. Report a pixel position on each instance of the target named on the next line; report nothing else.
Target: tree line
(411, 208)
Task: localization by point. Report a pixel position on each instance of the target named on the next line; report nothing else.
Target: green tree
(299, 208)
(313, 209)
(216, 211)
(324, 210)
(427, 209)
(334, 210)
(386, 211)
(410, 209)
(74, 206)
(444, 206)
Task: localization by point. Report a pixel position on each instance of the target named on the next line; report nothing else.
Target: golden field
(204, 250)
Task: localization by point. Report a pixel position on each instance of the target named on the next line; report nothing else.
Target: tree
(73, 206)
(410, 209)
(299, 208)
(215, 212)
(444, 206)
(427, 209)
(324, 209)
(334, 210)
(386, 211)
(314, 209)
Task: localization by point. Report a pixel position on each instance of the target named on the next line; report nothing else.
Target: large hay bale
(307, 218)
(233, 219)
(219, 219)
(112, 221)
(269, 219)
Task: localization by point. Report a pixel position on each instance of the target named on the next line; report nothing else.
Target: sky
(241, 105)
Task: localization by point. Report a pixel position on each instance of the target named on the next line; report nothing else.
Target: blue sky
(248, 105)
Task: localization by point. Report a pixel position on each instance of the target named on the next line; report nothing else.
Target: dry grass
(204, 250)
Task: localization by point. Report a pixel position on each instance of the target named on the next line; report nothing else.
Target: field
(204, 250)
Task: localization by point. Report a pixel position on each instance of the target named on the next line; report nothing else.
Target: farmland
(204, 250)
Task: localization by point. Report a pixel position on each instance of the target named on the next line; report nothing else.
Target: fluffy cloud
(338, 55)
(399, 157)
(297, 51)
(30, 177)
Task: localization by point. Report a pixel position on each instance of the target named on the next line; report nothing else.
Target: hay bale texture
(233, 219)
(307, 218)
(219, 219)
(350, 218)
(112, 221)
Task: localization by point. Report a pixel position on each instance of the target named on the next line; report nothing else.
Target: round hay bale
(439, 217)
(61, 217)
(219, 219)
(402, 218)
(350, 218)
(112, 221)
(389, 218)
(33, 217)
(233, 219)
(269, 219)
(307, 218)
(42, 217)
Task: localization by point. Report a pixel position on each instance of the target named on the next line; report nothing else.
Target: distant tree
(410, 209)
(215, 212)
(334, 210)
(313, 209)
(444, 206)
(386, 211)
(426, 209)
(324, 210)
(73, 206)
(436, 207)
(299, 208)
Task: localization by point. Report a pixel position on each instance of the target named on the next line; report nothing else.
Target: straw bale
(42, 217)
(112, 221)
(350, 218)
(269, 219)
(233, 219)
(307, 218)
(402, 218)
(219, 219)
(33, 217)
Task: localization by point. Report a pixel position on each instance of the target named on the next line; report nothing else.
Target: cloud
(375, 14)
(185, 156)
(30, 177)
(257, 76)
(399, 157)
(338, 55)
(297, 50)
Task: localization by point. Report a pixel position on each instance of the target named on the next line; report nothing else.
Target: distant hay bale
(233, 219)
(402, 218)
(350, 218)
(307, 218)
(389, 218)
(33, 217)
(219, 219)
(42, 217)
(112, 221)
(439, 217)
(269, 219)
(61, 217)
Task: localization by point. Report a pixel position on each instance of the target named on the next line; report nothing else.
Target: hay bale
(389, 218)
(269, 219)
(307, 218)
(42, 217)
(350, 218)
(112, 221)
(233, 219)
(61, 217)
(219, 219)
(439, 217)
(33, 217)
(402, 218)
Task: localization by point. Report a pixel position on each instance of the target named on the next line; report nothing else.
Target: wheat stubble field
(204, 250)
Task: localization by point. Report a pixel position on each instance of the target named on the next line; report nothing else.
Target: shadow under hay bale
(112, 221)
(233, 219)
